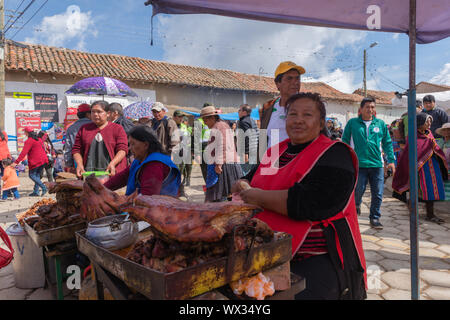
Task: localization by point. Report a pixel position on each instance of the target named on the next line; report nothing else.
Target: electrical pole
(365, 63)
(2, 65)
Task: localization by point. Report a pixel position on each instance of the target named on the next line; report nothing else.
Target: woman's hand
(252, 196)
(240, 185)
(111, 169)
(218, 168)
(80, 171)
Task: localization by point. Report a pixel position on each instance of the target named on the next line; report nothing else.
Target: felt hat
(445, 127)
(208, 111)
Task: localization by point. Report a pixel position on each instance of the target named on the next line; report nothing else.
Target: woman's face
(426, 125)
(209, 121)
(138, 148)
(303, 123)
(98, 115)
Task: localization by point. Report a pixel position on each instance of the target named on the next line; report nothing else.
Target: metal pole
(364, 81)
(2, 66)
(412, 141)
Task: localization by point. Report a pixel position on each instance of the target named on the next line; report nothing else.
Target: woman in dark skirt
(220, 155)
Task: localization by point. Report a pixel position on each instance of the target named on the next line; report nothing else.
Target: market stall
(159, 247)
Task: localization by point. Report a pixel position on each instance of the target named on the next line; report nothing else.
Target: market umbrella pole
(412, 141)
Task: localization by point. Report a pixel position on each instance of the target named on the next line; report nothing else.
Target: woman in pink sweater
(220, 155)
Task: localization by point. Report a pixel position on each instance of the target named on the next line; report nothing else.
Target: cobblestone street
(386, 251)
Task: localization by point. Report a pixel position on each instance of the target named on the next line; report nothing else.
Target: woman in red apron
(306, 186)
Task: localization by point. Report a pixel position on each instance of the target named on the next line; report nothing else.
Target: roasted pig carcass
(98, 201)
(189, 221)
(69, 185)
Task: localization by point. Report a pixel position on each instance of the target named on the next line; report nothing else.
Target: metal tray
(51, 236)
(192, 281)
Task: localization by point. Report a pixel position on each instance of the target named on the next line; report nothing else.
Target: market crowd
(304, 170)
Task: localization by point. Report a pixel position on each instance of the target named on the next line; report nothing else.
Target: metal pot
(113, 232)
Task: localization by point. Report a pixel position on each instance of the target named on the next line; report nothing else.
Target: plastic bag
(258, 286)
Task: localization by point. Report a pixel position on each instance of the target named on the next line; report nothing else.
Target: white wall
(345, 111)
(13, 104)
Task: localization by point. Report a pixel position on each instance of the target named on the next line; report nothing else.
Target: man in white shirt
(272, 115)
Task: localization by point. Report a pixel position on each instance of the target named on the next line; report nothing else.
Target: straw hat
(208, 111)
(445, 127)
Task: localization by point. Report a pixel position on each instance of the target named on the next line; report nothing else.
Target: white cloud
(59, 30)
(251, 46)
(443, 77)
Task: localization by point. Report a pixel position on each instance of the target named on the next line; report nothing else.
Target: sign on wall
(47, 103)
(26, 118)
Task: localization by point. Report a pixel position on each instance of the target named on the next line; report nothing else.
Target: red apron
(285, 177)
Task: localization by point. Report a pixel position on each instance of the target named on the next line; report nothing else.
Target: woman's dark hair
(319, 103)
(146, 134)
(34, 135)
(101, 103)
(2, 136)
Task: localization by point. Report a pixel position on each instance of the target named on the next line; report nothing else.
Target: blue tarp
(232, 116)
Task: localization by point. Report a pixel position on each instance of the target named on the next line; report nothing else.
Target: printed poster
(26, 118)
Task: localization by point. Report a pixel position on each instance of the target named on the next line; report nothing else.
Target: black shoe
(33, 194)
(358, 211)
(375, 223)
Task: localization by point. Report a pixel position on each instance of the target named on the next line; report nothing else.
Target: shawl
(426, 148)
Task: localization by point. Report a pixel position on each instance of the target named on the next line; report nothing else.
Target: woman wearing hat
(221, 156)
(444, 144)
(431, 165)
(34, 150)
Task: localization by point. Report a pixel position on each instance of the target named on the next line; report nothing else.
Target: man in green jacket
(368, 135)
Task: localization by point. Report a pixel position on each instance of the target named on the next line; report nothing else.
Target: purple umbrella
(137, 110)
(101, 86)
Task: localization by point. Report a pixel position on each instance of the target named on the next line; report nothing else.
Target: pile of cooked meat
(188, 233)
(32, 211)
(51, 216)
(66, 209)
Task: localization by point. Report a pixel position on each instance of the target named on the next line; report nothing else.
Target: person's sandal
(435, 220)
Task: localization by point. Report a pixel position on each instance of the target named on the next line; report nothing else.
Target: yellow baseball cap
(286, 66)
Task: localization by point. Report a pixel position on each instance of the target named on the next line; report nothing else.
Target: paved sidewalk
(386, 251)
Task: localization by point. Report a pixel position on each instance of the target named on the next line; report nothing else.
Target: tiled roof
(45, 59)
(382, 97)
(427, 87)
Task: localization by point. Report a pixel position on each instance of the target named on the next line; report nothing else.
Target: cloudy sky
(333, 56)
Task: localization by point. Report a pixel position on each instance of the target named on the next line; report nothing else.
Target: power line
(24, 10)
(15, 11)
(29, 19)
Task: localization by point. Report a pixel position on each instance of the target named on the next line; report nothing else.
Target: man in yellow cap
(272, 115)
